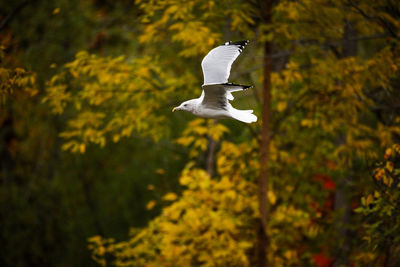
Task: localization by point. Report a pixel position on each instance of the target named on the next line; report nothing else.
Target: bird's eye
(185, 105)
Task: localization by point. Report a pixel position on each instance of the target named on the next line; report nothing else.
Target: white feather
(217, 63)
(246, 116)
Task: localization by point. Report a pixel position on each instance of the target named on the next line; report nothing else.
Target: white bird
(214, 100)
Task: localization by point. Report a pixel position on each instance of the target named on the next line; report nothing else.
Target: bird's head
(187, 105)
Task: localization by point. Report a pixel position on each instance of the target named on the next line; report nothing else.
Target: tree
(380, 210)
(325, 104)
(326, 71)
(53, 198)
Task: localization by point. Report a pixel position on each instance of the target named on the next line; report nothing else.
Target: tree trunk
(342, 200)
(264, 149)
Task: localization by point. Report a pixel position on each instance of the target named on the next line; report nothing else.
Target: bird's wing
(217, 63)
(216, 96)
(232, 87)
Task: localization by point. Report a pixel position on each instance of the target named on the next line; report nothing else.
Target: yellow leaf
(116, 138)
(150, 205)
(74, 73)
(160, 171)
(101, 251)
(369, 200)
(387, 180)
(185, 179)
(281, 106)
(271, 197)
(19, 71)
(150, 187)
(170, 196)
(95, 239)
(388, 153)
(82, 148)
(307, 123)
(230, 194)
(32, 92)
(290, 254)
(389, 166)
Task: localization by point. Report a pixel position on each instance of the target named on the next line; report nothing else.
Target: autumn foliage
(93, 159)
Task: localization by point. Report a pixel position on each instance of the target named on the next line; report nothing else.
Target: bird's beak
(174, 109)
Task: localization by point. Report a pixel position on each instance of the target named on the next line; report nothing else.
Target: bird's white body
(214, 100)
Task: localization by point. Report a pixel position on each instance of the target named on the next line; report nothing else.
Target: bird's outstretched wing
(217, 63)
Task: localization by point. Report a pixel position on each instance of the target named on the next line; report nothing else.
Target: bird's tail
(246, 116)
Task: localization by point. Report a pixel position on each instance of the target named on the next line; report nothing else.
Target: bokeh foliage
(89, 147)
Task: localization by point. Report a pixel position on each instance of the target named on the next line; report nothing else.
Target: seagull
(214, 100)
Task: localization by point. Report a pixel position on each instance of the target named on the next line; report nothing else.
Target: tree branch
(14, 12)
(386, 24)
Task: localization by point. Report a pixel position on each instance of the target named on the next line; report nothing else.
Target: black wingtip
(245, 87)
(240, 44)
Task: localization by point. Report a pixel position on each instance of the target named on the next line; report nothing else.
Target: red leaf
(326, 181)
(321, 260)
(329, 185)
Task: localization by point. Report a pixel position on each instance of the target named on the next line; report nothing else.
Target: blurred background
(95, 169)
